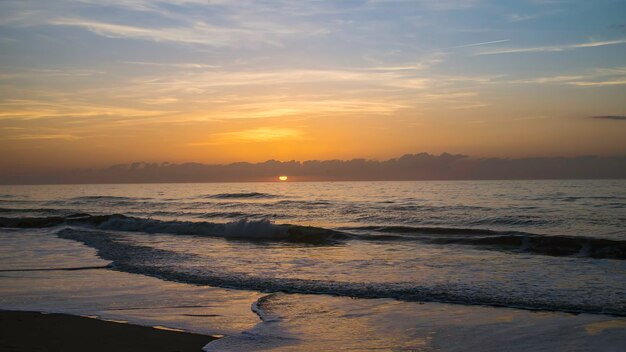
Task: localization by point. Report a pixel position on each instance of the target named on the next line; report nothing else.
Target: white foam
(248, 229)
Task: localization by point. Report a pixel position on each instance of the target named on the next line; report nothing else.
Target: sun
(282, 178)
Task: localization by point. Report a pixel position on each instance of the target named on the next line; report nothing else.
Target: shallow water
(554, 246)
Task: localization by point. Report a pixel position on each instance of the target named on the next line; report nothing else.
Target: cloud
(261, 134)
(219, 24)
(31, 73)
(617, 82)
(420, 166)
(198, 33)
(178, 65)
(522, 17)
(609, 117)
(297, 106)
(189, 92)
(478, 44)
(437, 5)
(375, 89)
(552, 48)
(218, 85)
(39, 109)
(598, 77)
(23, 137)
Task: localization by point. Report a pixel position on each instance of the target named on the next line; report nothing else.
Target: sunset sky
(93, 83)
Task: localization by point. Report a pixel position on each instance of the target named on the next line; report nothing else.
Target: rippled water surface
(586, 208)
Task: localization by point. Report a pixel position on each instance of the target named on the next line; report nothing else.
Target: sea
(329, 266)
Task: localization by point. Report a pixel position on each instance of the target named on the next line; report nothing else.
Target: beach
(33, 331)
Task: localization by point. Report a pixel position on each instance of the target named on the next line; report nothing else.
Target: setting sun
(282, 178)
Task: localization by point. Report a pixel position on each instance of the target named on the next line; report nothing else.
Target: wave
(418, 207)
(15, 200)
(228, 214)
(517, 220)
(107, 198)
(516, 241)
(242, 229)
(320, 202)
(33, 210)
(423, 230)
(204, 215)
(399, 211)
(235, 215)
(106, 201)
(610, 205)
(32, 222)
(564, 198)
(102, 200)
(252, 195)
(265, 230)
(149, 261)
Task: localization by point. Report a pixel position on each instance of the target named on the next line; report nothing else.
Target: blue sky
(224, 80)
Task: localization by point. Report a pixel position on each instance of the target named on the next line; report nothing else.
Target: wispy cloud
(219, 24)
(530, 118)
(437, 5)
(551, 79)
(478, 44)
(22, 137)
(25, 110)
(552, 48)
(180, 65)
(29, 73)
(198, 33)
(599, 77)
(186, 94)
(516, 17)
(322, 106)
(541, 12)
(617, 82)
(255, 135)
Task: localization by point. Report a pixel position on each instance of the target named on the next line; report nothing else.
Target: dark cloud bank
(408, 167)
(610, 117)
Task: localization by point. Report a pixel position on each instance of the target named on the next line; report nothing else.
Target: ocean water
(380, 265)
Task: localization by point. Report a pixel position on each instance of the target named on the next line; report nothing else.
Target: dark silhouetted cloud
(421, 166)
(610, 117)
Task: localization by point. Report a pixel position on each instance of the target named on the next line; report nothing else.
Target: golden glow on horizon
(282, 178)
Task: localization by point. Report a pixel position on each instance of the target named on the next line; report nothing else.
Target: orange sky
(225, 81)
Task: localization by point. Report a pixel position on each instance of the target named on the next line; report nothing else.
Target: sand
(32, 331)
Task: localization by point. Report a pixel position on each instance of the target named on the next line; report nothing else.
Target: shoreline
(38, 331)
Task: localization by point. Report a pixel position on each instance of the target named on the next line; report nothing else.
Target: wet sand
(33, 331)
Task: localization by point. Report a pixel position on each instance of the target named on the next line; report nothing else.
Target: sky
(88, 83)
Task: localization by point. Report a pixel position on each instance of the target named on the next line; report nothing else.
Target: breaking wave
(242, 229)
(265, 230)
